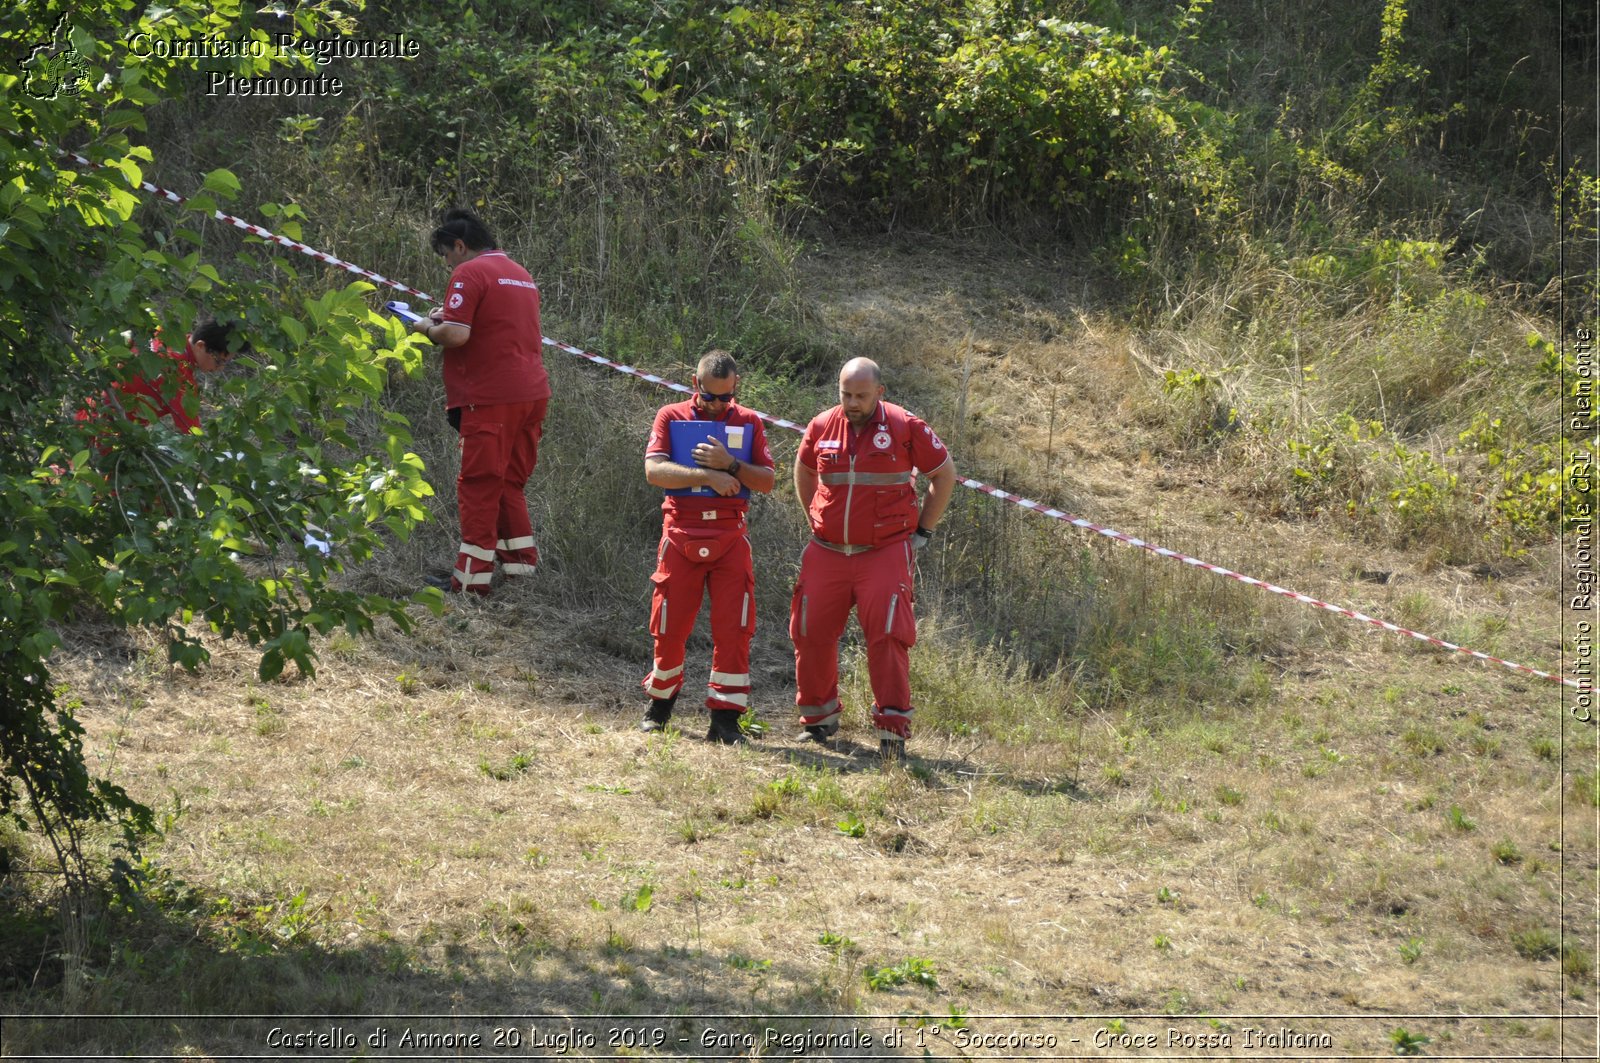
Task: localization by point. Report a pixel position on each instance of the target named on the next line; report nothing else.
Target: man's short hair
(461, 224)
(717, 365)
(221, 337)
(873, 368)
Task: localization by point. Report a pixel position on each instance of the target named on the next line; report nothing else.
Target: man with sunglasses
(855, 477)
(496, 393)
(705, 546)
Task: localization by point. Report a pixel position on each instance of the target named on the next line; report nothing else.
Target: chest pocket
(888, 477)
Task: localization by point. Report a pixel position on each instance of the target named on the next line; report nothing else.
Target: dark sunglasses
(706, 396)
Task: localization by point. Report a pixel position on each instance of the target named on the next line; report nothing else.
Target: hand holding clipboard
(712, 441)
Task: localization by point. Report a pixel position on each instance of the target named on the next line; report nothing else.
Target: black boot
(892, 750)
(657, 715)
(820, 733)
(725, 727)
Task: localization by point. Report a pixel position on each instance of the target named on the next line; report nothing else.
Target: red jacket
(502, 361)
(712, 511)
(865, 492)
(146, 400)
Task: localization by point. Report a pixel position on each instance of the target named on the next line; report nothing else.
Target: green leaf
(294, 330)
(221, 182)
(271, 665)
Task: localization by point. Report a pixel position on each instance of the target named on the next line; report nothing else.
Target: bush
(133, 519)
(980, 110)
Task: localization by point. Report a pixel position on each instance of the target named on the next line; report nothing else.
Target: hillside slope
(1371, 835)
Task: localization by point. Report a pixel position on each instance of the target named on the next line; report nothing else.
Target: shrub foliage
(180, 533)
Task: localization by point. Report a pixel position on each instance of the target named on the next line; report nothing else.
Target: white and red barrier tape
(1161, 551)
(976, 485)
(267, 234)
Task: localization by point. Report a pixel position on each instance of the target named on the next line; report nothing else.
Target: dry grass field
(455, 844)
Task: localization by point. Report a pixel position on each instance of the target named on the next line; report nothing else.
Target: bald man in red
(855, 477)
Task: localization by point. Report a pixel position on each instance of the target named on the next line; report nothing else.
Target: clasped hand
(715, 459)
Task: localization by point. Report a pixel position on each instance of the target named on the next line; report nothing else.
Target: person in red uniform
(854, 475)
(496, 393)
(705, 544)
(175, 395)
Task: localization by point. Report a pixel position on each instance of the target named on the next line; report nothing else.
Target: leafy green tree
(971, 109)
(134, 520)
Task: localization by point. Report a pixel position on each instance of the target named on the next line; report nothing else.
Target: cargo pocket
(658, 602)
(797, 614)
(889, 514)
(901, 623)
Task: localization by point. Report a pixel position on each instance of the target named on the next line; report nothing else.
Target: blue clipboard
(403, 311)
(686, 435)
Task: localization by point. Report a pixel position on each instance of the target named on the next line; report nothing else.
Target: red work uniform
(498, 382)
(171, 395)
(862, 517)
(704, 543)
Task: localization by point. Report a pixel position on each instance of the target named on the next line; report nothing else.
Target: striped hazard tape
(267, 234)
(976, 485)
(600, 359)
(1195, 562)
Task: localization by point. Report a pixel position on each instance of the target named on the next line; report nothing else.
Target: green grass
(913, 970)
(504, 771)
(1536, 943)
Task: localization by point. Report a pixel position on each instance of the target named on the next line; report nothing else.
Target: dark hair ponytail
(461, 224)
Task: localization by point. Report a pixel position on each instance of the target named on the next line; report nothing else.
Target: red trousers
(499, 448)
(688, 563)
(878, 584)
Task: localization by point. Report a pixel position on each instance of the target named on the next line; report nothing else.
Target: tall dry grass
(1369, 384)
